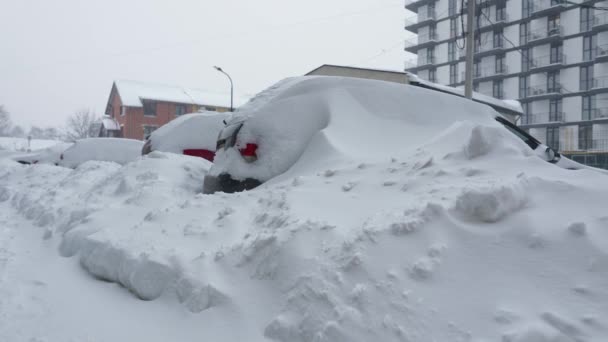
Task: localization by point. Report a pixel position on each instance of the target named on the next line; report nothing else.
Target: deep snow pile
(189, 131)
(466, 236)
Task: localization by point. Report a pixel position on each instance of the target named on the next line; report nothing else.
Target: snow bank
(463, 235)
(115, 150)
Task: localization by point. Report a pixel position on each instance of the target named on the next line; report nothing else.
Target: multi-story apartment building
(551, 55)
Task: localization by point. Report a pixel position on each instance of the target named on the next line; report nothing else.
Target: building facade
(551, 55)
(140, 108)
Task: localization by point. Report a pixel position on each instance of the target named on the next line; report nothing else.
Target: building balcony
(488, 73)
(421, 42)
(599, 113)
(544, 91)
(418, 64)
(541, 8)
(548, 63)
(543, 118)
(601, 53)
(545, 35)
(500, 20)
(600, 84)
(600, 21)
(599, 145)
(412, 24)
(489, 49)
(413, 5)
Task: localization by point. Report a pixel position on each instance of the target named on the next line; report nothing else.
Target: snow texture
(189, 131)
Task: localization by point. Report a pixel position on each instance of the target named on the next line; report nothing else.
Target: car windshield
(527, 138)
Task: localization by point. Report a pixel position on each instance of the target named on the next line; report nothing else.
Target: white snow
(189, 131)
(132, 92)
(462, 234)
(117, 150)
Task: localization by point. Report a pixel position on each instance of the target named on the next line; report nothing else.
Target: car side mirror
(552, 156)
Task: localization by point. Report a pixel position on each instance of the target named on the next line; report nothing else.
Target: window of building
(430, 10)
(501, 11)
(553, 24)
(432, 75)
(586, 19)
(585, 137)
(553, 85)
(556, 53)
(453, 27)
(498, 38)
(589, 43)
(555, 110)
(525, 119)
(523, 87)
(149, 108)
(526, 8)
(497, 90)
(123, 110)
(553, 137)
(452, 7)
(148, 130)
(451, 51)
(588, 106)
(586, 78)
(180, 109)
(524, 29)
(430, 55)
(499, 64)
(432, 32)
(525, 60)
(453, 73)
(476, 69)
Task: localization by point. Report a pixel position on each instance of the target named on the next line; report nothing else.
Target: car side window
(527, 138)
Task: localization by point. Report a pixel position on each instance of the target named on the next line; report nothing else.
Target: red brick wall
(134, 121)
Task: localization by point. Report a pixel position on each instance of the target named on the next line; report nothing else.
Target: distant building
(108, 128)
(136, 109)
(509, 108)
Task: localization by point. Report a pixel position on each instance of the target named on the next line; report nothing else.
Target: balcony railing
(599, 113)
(419, 62)
(499, 19)
(488, 71)
(543, 5)
(421, 39)
(601, 51)
(496, 44)
(547, 117)
(600, 82)
(600, 19)
(599, 144)
(543, 33)
(544, 61)
(420, 17)
(544, 90)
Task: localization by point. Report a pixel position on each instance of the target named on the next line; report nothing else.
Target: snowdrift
(462, 235)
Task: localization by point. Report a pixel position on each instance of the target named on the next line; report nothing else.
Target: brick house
(139, 108)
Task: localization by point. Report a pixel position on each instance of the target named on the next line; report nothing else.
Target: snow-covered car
(49, 155)
(117, 150)
(190, 134)
(314, 120)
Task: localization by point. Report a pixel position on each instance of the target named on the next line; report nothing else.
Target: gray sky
(60, 56)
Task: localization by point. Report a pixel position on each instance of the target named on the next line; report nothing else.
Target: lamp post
(231, 86)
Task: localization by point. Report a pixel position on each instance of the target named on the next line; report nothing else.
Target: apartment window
(553, 24)
(589, 42)
(433, 75)
(476, 69)
(499, 64)
(553, 137)
(586, 19)
(553, 85)
(526, 8)
(453, 27)
(432, 32)
(148, 130)
(451, 51)
(430, 10)
(149, 108)
(501, 11)
(523, 87)
(588, 105)
(586, 78)
(524, 30)
(498, 38)
(430, 55)
(585, 137)
(453, 73)
(452, 7)
(556, 53)
(555, 110)
(525, 119)
(180, 110)
(525, 60)
(497, 90)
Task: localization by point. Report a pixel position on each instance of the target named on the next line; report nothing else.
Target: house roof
(133, 92)
(355, 68)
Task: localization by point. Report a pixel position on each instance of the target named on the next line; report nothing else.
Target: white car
(316, 120)
(49, 155)
(117, 150)
(190, 134)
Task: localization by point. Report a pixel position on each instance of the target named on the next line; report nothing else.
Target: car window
(527, 138)
(227, 137)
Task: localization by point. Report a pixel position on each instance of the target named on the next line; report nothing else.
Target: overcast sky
(62, 55)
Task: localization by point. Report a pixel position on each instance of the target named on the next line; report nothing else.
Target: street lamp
(231, 86)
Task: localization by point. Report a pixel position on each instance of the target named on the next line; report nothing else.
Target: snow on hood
(196, 130)
(351, 118)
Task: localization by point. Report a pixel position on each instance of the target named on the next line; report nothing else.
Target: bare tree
(81, 125)
(5, 122)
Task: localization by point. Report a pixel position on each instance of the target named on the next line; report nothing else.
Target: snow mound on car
(189, 131)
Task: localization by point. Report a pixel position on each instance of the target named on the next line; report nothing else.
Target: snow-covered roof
(513, 107)
(132, 92)
(110, 124)
(354, 67)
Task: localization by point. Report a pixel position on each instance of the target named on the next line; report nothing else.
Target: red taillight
(249, 152)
